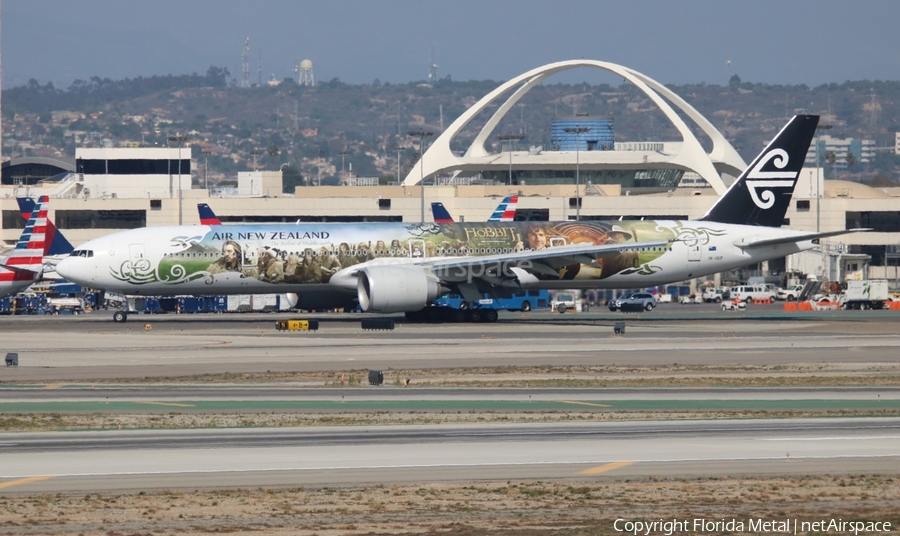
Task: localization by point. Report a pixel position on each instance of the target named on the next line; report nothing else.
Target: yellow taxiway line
(21, 481)
(604, 468)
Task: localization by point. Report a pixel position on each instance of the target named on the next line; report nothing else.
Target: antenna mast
(433, 67)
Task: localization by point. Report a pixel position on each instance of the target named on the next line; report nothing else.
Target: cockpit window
(82, 253)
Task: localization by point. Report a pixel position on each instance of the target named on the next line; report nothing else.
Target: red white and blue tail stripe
(56, 243)
(506, 210)
(25, 263)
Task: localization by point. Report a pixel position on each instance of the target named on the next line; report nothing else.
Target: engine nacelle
(395, 289)
(322, 300)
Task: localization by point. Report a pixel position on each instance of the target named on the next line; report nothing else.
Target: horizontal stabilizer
(792, 239)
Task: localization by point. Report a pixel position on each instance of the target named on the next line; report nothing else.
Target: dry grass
(43, 422)
(530, 508)
(672, 375)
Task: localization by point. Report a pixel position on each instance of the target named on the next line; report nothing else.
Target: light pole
(399, 150)
(181, 140)
(819, 169)
(421, 134)
(344, 153)
(578, 131)
(509, 138)
(255, 153)
(206, 154)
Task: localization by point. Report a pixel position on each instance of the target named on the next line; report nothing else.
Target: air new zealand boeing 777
(403, 267)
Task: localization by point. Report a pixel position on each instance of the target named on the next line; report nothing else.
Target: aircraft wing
(790, 239)
(539, 262)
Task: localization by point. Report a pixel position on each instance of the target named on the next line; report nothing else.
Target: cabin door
(693, 253)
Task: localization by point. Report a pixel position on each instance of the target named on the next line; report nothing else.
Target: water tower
(306, 74)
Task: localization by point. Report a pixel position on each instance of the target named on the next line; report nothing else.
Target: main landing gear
(121, 315)
(440, 315)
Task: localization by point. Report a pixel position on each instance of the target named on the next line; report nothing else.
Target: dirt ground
(586, 507)
(581, 506)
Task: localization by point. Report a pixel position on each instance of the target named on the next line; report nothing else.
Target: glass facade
(583, 134)
(628, 178)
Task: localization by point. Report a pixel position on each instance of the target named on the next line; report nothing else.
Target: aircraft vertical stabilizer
(207, 216)
(56, 243)
(762, 194)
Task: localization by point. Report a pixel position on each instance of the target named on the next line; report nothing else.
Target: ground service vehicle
(865, 294)
(520, 301)
(792, 293)
(716, 295)
(563, 302)
(748, 293)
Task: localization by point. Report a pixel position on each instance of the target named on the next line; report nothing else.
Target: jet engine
(321, 300)
(395, 289)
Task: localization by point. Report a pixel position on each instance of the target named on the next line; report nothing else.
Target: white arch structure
(691, 156)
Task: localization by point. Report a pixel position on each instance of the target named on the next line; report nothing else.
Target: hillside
(311, 129)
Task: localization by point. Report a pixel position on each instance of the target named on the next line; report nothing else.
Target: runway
(91, 347)
(89, 365)
(108, 461)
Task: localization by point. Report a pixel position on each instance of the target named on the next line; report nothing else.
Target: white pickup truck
(792, 293)
(563, 302)
(715, 295)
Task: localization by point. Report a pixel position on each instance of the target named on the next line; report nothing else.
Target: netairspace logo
(759, 526)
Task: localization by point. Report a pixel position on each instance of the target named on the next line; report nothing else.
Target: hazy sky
(771, 41)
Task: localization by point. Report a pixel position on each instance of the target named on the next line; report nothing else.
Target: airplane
(207, 216)
(55, 242)
(24, 264)
(402, 267)
(505, 211)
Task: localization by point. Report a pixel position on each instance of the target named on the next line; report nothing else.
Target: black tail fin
(762, 194)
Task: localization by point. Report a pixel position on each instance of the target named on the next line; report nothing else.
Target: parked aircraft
(55, 242)
(403, 267)
(505, 211)
(207, 216)
(24, 264)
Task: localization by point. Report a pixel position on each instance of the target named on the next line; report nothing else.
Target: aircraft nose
(68, 268)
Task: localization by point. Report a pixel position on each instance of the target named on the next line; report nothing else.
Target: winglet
(207, 216)
(762, 194)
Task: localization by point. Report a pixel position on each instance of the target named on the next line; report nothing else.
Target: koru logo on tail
(766, 180)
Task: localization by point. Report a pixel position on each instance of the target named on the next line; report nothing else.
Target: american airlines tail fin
(207, 216)
(440, 214)
(505, 211)
(55, 243)
(28, 256)
(762, 194)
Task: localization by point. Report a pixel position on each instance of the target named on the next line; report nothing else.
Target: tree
(851, 159)
(290, 179)
(830, 157)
